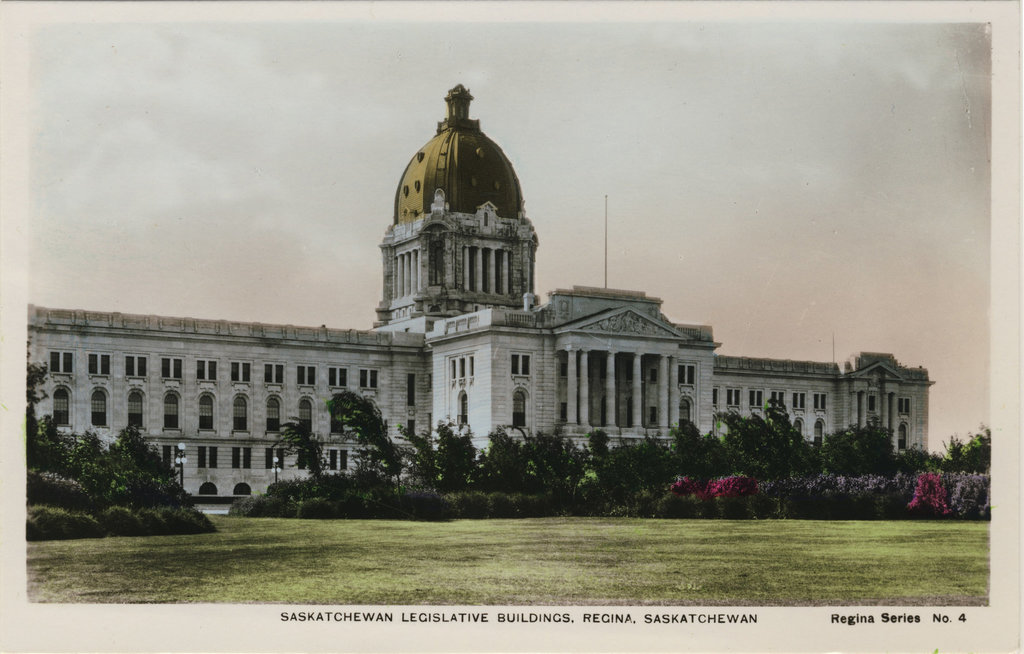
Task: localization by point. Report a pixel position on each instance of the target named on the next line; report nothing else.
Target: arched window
(463, 409)
(273, 414)
(306, 414)
(798, 425)
(684, 410)
(902, 442)
(819, 432)
(135, 409)
(519, 409)
(99, 409)
(170, 411)
(241, 412)
(206, 412)
(208, 488)
(242, 489)
(61, 402)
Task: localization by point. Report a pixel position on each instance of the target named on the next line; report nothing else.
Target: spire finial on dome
(458, 100)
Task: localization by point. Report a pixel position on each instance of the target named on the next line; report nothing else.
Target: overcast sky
(782, 182)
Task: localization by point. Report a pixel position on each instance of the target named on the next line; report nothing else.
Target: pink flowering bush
(725, 487)
(930, 496)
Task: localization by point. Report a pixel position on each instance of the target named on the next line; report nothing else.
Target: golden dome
(461, 161)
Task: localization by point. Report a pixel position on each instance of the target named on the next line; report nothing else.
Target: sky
(792, 184)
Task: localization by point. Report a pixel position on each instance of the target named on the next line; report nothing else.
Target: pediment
(876, 370)
(626, 322)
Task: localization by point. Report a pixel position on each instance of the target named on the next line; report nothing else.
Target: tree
(445, 463)
(359, 417)
(767, 448)
(973, 456)
(502, 465)
(859, 451)
(297, 436)
(697, 456)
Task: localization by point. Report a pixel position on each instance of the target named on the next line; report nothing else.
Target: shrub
(732, 487)
(55, 523)
(687, 486)
(731, 507)
(762, 506)
(929, 497)
(968, 495)
(890, 506)
(54, 490)
(425, 505)
(500, 506)
(263, 506)
(678, 506)
(153, 521)
(185, 521)
(315, 508)
(120, 521)
(468, 504)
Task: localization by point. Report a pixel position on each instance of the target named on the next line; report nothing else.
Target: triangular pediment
(625, 321)
(876, 370)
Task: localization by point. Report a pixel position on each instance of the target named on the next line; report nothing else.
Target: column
(408, 273)
(401, 275)
(663, 394)
(465, 268)
(508, 272)
(416, 270)
(883, 415)
(584, 388)
(673, 392)
(638, 415)
(892, 412)
(479, 265)
(491, 278)
(611, 416)
(860, 408)
(570, 395)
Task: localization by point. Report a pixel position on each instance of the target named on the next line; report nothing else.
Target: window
(462, 368)
(273, 414)
(306, 375)
(170, 411)
(463, 409)
(99, 364)
(337, 376)
(300, 459)
(337, 426)
(756, 399)
(652, 415)
(777, 398)
(165, 455)
(684, 410)
(563, 369)
(332, 459)
(519, 409)
(367, 378)
(819, 432)
(871, 402)
(819, 401)
(206, 370)
(236, 457)
(653, 375)
(208, 487)
(99, 409)
(213, 457)
(901, 443)
(687, 374)
(798, 426)
(904, 404)
(240, 371)
(206, 412)
(520, 364)
(338, 459)
(412, 426)
(268, 460)
(471, 370)
(246, 457)
(273, 373)
(135, 366)
(732, 396)
(410, 389)
(269, 455)
(61, 412)
(61, 362)
(799, 399)
(241, 414)
(306, 414)
(201, 463)
(714, 396)
(170, 368)
(563, 412)
(242, 489)
(135, 409)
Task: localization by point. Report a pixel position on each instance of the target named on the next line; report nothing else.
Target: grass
(554, 561)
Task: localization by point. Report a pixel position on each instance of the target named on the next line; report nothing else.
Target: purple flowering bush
(929, 496)
(968, 495)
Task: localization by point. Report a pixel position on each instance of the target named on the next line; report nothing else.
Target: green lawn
(557, 561)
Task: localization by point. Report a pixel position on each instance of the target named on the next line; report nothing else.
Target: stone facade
(458, 337)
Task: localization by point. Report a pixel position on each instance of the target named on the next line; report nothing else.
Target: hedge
(56, 523)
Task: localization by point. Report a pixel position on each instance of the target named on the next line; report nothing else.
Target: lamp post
(277, 468)
(180, 460)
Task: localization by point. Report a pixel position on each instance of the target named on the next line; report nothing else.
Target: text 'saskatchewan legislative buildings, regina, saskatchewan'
(458, 337)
